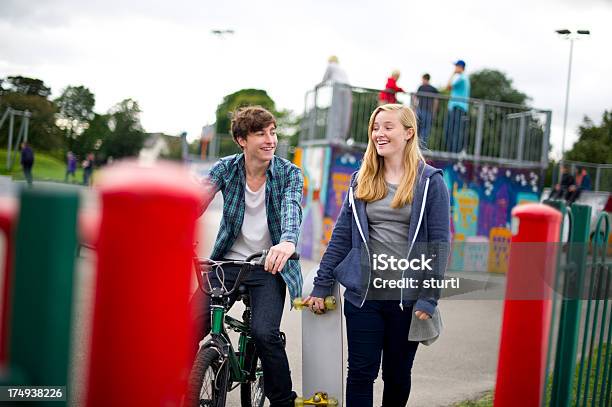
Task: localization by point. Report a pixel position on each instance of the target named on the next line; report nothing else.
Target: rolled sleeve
(291, 208)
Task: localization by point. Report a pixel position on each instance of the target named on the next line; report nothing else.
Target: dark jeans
(27, 173)
(267, 302)
(425, 118)
(378, 327)
(87, 176)
(455, 130)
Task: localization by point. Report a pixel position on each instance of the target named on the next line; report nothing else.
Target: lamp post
(571, 36)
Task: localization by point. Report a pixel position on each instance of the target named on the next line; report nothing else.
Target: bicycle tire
(252, 393)
(209, 378)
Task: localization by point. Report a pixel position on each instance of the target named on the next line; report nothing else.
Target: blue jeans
(425, 118)
(455, 130)
(267, 293)
(379, 327)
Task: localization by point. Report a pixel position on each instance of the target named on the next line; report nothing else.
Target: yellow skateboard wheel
(332, 402)
(298, 304)
(330, 302)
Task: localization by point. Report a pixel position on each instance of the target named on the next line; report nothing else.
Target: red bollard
(527, 307)
(141, 317)
(8, 213)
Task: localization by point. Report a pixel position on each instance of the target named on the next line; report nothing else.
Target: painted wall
(482, 198)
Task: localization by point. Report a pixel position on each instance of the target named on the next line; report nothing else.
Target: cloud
(164, 56)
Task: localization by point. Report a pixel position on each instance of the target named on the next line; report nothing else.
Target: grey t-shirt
(387, 226)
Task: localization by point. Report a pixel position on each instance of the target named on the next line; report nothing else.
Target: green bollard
(41, 306)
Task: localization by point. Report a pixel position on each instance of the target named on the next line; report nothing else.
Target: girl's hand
(316, 304)
(422, 315)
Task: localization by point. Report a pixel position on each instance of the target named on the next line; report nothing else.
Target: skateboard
(322, 358)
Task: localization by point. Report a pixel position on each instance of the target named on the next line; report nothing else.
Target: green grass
(46, 168)
(486, 400)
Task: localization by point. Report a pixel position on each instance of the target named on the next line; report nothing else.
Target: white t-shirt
(254, 235)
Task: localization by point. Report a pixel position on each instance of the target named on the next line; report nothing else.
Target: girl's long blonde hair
(371, 178)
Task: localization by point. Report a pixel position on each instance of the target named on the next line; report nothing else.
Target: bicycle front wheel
(208, 380)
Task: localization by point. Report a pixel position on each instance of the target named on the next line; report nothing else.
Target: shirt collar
(240, 162)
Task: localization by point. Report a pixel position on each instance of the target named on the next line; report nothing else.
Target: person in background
(339, 116)
(426, 107)
(27, 162)
(388, 94)
(71, 166)
(582, 182)
(583, 179)
(456, 123)
(561, 190)
(88, 167)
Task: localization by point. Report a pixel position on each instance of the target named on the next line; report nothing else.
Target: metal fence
(580, 360)
(473, 129)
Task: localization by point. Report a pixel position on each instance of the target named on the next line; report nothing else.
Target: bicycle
(218, 368)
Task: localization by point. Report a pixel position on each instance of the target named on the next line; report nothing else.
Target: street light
(571, 36)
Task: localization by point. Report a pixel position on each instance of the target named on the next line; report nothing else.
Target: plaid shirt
(284, 185)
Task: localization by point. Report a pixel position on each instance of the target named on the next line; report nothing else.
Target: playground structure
(22, 135)
(499, 165)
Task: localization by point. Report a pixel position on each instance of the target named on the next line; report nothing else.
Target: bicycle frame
(242, 368)
(240, 371)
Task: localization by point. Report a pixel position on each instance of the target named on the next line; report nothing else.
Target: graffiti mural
(482, 197)
(343, 164)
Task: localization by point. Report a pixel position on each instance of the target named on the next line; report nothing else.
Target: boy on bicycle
(262, 197)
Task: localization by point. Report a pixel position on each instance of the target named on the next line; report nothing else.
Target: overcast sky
(165, 57)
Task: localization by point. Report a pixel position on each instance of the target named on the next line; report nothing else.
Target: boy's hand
(277, 256)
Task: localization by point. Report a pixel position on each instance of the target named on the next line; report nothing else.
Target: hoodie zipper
(416, 232)
(352, 204)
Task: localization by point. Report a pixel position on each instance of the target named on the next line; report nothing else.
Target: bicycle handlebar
(248, 262)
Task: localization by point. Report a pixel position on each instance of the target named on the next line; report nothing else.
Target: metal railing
(473, 129)
(580, 365)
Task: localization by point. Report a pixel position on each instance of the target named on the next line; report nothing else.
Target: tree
(244, 97)
(27, 86)
(594, 143)
(75, 106)
(43, 133)
(93, 136)
(491, 84)
(126, 135)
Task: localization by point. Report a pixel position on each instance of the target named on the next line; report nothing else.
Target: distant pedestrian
(88, 167)
(27, 162)
(339, 116)
(426, 105)
(388, 94)
(456, 122)
(583, 179)
(565, 189)
(71, 166)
